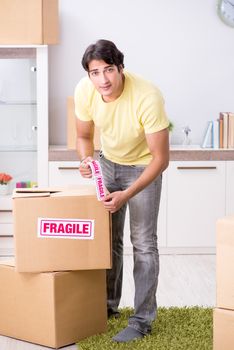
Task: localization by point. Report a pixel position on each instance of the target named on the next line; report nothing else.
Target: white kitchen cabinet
(66, 174)
(24, 113)
(6, 226)
(230, 188)
(24, 124)
(195, 200)
(6, 233)
(162, 215)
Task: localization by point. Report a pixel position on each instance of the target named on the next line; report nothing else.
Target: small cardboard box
(71, 127)
(225, 263)
(57, 231)
(223, 329)
(52, 309)
(29, 22)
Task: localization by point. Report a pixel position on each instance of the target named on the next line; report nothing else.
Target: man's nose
(103, 77)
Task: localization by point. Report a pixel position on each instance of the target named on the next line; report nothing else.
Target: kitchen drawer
(6, 246)
(66, 174)
(6, 202)
(6, 223)
(6, 242)
(6, 229)
(6, 217)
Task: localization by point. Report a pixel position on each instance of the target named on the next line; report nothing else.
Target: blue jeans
(143, 211)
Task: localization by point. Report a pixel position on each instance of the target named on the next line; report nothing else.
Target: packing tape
(98, 178)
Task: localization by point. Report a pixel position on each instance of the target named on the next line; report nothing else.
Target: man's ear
(121, 67)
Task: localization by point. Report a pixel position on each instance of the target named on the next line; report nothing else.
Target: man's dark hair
(103, 50)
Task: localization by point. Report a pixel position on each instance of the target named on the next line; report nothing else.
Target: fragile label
(98, 177)
(65, 228)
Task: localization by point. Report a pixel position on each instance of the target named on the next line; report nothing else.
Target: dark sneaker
(113, 314)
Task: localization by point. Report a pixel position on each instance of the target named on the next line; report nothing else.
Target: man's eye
(94, 74)
(109, 70)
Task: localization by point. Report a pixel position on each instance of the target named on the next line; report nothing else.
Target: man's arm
(158, 144)
(84, 144)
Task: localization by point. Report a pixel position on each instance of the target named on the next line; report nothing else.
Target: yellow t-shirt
(123, 123)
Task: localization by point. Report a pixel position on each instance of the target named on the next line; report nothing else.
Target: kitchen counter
(177, 152)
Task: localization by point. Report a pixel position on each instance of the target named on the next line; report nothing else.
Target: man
(129, 113)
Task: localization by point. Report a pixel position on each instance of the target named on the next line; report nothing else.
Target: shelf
(18, 103)
(15, 51)
(61, 153)
(175, 147)
(18, 148)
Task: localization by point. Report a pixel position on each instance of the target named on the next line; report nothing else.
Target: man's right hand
(85, 169)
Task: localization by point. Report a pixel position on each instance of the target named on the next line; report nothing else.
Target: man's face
(107, 79)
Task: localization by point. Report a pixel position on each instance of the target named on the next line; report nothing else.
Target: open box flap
(80, 190)
(35, 192)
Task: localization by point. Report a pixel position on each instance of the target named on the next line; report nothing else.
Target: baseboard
(179, 250)
(162, 251)
(187, 250)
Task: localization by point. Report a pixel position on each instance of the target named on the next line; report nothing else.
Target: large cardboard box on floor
(223, 329)
(225, 263)
(71, 127)
(57, 231)
(52, 309)
(28, 22)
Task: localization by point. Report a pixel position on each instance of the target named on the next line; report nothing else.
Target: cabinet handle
(68, 168)
(196, 167)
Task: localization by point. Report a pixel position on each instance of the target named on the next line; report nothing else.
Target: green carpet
(187, 328)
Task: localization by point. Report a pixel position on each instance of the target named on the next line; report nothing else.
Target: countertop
(177, 152)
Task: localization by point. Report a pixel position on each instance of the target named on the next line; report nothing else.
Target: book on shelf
(230, 130)
(220, 130)
(227, 134)
(224, 117)
(220, 133)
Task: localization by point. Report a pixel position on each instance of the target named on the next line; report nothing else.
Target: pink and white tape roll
(98, 178)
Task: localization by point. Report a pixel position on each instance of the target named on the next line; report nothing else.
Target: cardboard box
(52, 309)
(71, 127)
(225, 263)
(29, 22)
(223, 329)
(57, 231)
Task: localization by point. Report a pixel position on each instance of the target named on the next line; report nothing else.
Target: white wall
(180, 45)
